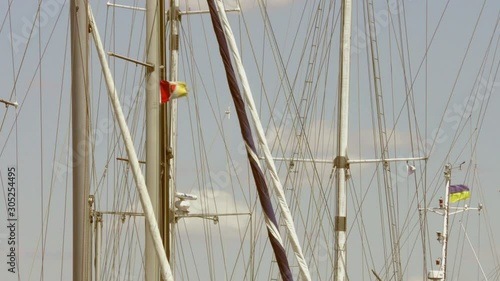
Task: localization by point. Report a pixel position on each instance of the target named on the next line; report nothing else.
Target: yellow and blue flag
(458, 192)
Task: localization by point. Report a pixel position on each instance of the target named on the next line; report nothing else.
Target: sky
(451, 62)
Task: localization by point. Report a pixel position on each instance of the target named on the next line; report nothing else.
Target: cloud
(217, 202)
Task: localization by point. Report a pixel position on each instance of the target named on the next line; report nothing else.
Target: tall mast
(169, 133)
(446, 211)
(140, 183)
(446, 215)
(341, 162)
(153, 56)
(80, 131)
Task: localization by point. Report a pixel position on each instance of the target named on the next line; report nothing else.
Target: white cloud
(217, 202)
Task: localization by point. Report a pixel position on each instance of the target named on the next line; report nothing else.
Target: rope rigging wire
(310, 175)
(45, 210)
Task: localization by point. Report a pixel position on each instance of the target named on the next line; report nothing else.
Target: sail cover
(246, 133)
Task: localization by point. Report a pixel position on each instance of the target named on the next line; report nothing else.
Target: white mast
(341, 162)
(153, 57)
(170, 133)
(445, 210)
(80, 127)
(446, 215)
(442, 237)
(153, 232)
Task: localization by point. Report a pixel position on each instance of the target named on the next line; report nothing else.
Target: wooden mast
(168, 125)
(153, 51)
(80, 132)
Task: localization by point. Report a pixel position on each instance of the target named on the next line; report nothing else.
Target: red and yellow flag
(172, 90)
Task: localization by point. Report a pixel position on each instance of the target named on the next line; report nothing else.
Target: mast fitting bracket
(341, 162)
(340, 223)
(174, 42)
(177, 15)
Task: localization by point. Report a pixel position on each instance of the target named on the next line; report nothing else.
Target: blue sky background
(443, 83)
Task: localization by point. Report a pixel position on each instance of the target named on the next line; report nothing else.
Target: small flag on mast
(458, 192)
(172, 90)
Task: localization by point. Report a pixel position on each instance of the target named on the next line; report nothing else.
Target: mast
(153, 230)
(80, 131)
(153, 56)
(97, 245)
(446, 211)
(341, 162)
(384, 144)
(446, 215)
(169, 133)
